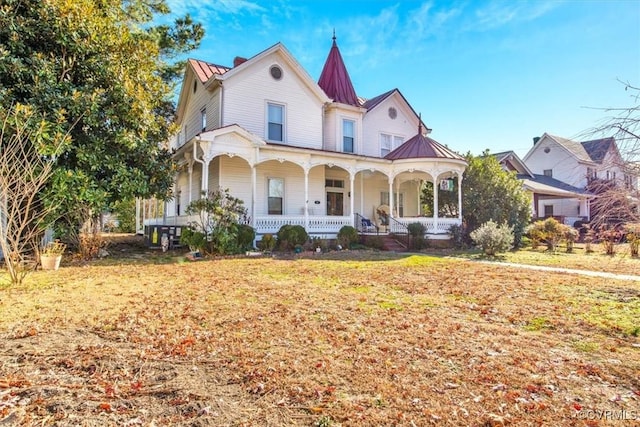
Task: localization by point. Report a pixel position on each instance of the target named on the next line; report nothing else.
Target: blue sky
(484, 74)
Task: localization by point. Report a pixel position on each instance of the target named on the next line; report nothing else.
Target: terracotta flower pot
(50, 262)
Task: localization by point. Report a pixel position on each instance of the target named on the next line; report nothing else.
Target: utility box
(153, 235)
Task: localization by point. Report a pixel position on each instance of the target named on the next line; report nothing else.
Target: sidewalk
(564, 270)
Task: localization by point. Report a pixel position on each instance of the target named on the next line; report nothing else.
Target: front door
(335, 203)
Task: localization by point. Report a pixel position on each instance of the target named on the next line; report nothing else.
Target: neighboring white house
(300, 152)
(575, 164)
(549, 196)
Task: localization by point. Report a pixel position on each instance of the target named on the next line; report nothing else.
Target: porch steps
(391, 244)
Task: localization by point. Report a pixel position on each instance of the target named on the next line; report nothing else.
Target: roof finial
(334, 35)
(420, 124)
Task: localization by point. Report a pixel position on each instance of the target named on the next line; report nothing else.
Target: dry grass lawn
(360, 339)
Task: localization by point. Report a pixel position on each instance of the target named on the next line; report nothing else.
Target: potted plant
(51, 255)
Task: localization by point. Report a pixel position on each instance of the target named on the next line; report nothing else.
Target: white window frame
(268, 192)
(394, 142)
(352, 136)
(268, 121)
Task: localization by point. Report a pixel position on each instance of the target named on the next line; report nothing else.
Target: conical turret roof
(335, 80)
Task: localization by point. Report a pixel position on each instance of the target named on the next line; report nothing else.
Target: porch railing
(317, 224)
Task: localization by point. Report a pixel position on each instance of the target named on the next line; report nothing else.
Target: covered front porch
(321, 191)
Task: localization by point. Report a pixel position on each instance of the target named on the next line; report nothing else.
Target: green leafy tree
(491, 193)
(105, 67)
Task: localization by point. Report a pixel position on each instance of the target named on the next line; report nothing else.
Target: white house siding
(235, 175)
(561, 207)
(377, 121)
(563, 164)
(246, 95)
(330, 130)
(293, 186)
(214, 175)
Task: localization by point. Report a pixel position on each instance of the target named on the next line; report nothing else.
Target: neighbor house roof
(335, 80)
(598, 148)
(421, 146)
(543, 184)
(511, 158)
(204, 70)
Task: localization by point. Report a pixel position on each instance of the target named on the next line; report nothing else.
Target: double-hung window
(348, 135)
(275, 122)
(275, 196)
(388, 143)
(385, 144)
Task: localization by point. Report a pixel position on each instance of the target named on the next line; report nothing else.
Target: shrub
(290, 236)
(493, 238)
(609, 237)
(246, 235)
(195, 240)
(552, 232)
(268, 242)
(458, 232)
(417, 231)
(347, 236)
(571, 235)
(632, 235)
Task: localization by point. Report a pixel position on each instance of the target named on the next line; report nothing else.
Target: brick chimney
(238, 60)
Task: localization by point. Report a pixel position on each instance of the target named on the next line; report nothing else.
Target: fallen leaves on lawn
(390, 341)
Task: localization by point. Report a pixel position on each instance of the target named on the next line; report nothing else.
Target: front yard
(378, 339)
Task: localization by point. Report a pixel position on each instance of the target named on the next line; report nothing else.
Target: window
(276, 72)
(275, 122)
(388, 143)
(348, 134)
(385, 144)
(334, 183)
(203, 119)
(276, 196)
(548, 210)
(548, 172)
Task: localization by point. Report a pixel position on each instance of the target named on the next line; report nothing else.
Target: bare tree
(617, 197)
(28, 146)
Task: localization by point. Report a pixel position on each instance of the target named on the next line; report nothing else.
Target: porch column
(391, 198)
(352, 187)
(254, 185)
(435, 205)
(460, 198)
(584, 207)
(419, 186)
(306, 199)
(190, 169)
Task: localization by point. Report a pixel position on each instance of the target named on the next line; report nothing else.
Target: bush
(347, 236)
(458, 232)
(609, 236)
(416, 229)
(290, 236)
(552, 232)
(268, 242)
(195, 240)
(632, 235)
(493, 238)
(245, 237)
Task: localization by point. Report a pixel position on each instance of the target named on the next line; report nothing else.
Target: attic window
(195, 86)
(392, 113)
(276, 72)
(547, 149)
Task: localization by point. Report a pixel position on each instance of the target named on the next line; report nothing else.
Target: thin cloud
(500, 13)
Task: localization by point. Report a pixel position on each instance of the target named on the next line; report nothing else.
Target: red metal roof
(334, 79)
(421, 146)
(204, 70)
